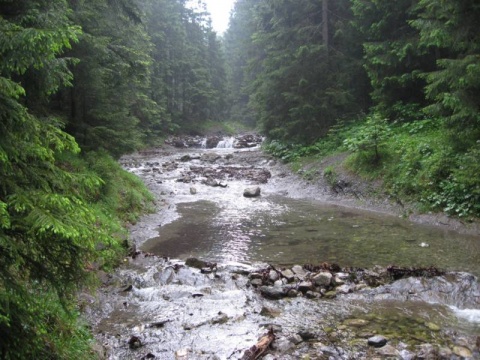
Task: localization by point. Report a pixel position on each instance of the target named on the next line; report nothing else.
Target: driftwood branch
(256, 351)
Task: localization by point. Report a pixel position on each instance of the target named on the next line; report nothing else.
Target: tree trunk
(325, 24)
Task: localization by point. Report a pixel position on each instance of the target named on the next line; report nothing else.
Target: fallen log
(256, 351)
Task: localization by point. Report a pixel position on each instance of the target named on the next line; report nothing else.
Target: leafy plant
(370, 138)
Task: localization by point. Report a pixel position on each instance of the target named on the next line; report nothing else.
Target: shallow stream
(180, 313)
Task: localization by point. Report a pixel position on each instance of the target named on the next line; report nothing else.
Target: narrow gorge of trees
(397, 83)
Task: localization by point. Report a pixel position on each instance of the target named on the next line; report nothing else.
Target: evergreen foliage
(111, 76)
(301, 88)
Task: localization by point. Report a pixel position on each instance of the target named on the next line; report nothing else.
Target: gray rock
(406, 355)
(273, 275)
(270, 312)
(295, 339)
(220, 319)
(292, 293)
(299, 272)
(312, 295)
(344, 289)
(288, 274)
(305, 286)
(273, 292)
(282, 345)
(323, 279)
(193, 191)
(256, 282)
(388, 351)
(377, 341)
(252, 192)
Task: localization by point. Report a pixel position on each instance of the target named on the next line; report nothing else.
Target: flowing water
(282, 230)
(180, 313)
(289, 224)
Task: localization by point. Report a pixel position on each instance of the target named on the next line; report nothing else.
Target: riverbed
(202, 213)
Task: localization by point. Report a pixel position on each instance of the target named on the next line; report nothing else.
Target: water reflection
(281, 230)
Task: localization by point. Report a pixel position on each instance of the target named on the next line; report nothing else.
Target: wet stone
(292, 293)
(406, 355)
(288, 274)
(305, 286)
(252, 192)
(295, 339)
(270, 311)
(323, 279)
(343, 289)
(256, 282)
(273, 292)
(166, 276)
(307, 334)
(388, 351)
(330, 294)
(377, 341)
(134, 342)
(220, 319)
(299, 272)
(273, 275)
(312, 295)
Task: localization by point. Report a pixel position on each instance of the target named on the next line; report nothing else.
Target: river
(202, 213)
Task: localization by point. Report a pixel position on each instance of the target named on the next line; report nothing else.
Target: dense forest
(394, 83)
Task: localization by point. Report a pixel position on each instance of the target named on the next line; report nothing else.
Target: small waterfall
(226, 143)
(203, 144)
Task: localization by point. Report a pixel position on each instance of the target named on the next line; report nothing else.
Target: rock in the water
(220, 319)
(305, 286)
(252, 192)
(288, 274)
(377, 341)
(134, 342)
(270, 312)
(343, 289)
(256, 282)
(323, 279)
(193, 191)
(299, 272)
(330, 294)
(273, 275)
(273, 292)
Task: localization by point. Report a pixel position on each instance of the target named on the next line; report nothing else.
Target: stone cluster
(325, 281)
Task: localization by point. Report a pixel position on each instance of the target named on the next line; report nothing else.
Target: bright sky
(220, 11)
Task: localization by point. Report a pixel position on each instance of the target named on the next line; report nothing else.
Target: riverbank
(330, 178)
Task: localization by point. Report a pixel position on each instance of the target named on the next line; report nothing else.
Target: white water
(471, 315)
(226, 143)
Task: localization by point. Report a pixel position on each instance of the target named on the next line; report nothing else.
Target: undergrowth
(418, 161)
